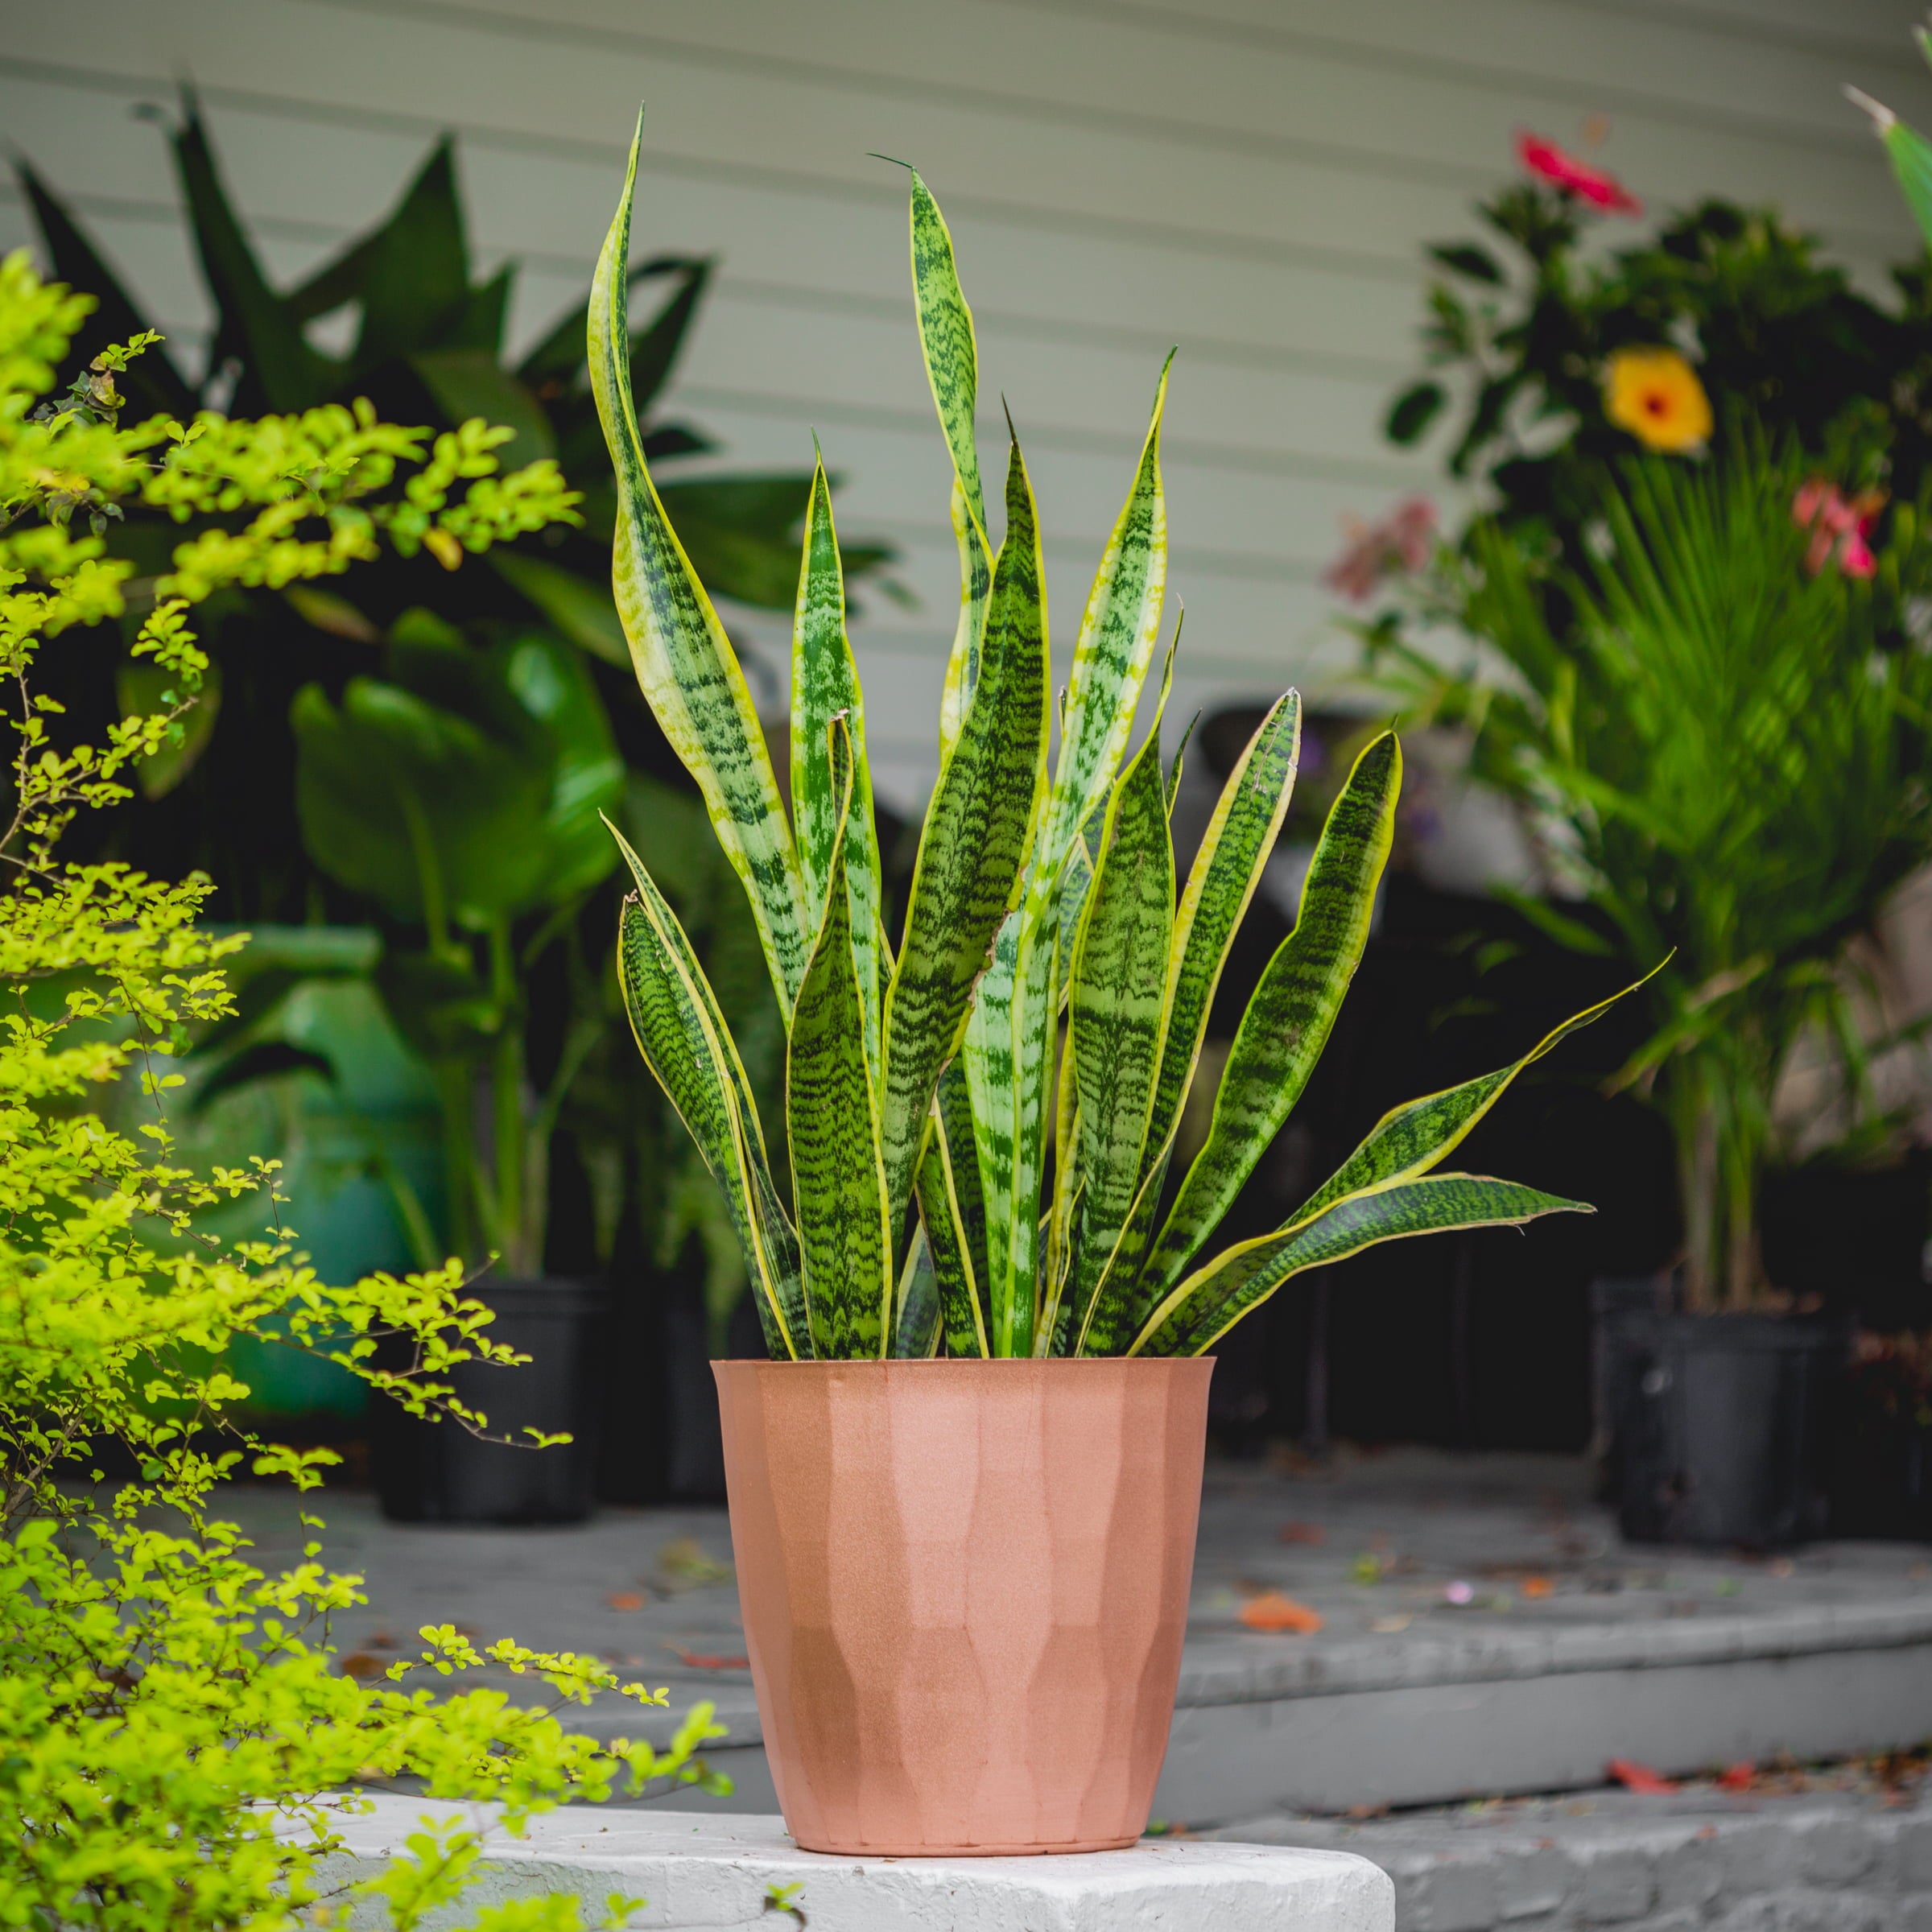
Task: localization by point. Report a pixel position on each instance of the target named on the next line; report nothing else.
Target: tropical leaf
(281, 372)
(946, 339)
(1113, 650)
(1410, 1139)
(1210, 1301)
(952, 1217)
(414, 285)
(832, 1120)
(682, 1038)
(825, 689)
(917, 1329)
(150, 383)
(967, 873)
(580, 610)
(1291, 1015)
(1220, 883)
(684, 662)
(1116, 1012)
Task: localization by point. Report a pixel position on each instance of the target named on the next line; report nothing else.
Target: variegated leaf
(1116, 1011)
(946, 339)
(1289, 1019)
(684, 662)
(1210, 1301)
(918, 1327)
(833, 1123)
(952, 1215)
(1410, 1139)
(967, 871)
(1113, 650)
(825, 685)
(682, 1038)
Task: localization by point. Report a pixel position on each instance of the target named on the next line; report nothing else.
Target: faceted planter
(964, 1586)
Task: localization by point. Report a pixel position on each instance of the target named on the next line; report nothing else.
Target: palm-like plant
(946, 1191)
(1728, 736)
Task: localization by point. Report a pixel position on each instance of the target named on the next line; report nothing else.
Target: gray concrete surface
(703, 1874)
(1484, 1631)
(1807, 1858)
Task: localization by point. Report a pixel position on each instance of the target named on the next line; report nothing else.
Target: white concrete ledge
(705, 1873)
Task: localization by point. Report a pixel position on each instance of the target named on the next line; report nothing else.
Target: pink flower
(1550, 163)
(1400, 542)
(1839, 525)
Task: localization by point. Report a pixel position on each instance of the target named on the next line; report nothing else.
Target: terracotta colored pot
(964, 1586)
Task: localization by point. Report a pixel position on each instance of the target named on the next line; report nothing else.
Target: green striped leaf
(1289, 1019)
(988, 1053)
(684, 662)
(1210, 1301)
(918, 1327)
(1220, 884)
(952, 1215)
(952, 367)
(1410, 1140)
(683, 1039)
(1116, 1012)
(825, 686)
(1113, 650)
(838, 1174)
(967, 873)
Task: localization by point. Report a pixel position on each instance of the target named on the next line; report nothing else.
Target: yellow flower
(1655, 395)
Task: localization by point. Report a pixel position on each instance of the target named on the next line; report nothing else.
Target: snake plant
(982, 1121)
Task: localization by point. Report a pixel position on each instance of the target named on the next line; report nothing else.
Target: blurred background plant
(352, 774)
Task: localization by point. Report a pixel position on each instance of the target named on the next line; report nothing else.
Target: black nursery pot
(1718, 1423)
(438, 1472)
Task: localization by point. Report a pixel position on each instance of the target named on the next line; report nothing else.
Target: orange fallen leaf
(1537, 1586)
(1303, 1533)
(624, 1599)
(1273, 1611)
(696, 1660)
(1639, 1777)
(359, 1663)
(1737, 1777)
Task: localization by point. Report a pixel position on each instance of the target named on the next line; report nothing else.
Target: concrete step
(1814, 1859)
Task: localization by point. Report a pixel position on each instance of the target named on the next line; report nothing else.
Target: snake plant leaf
(953, 1214)
(684, 1041)
(1292, 1012)
(1908, 151)
(825, 687)
(1116, 1012)
(831, 1117)
(968, 870)
(1210, 1301)
(1113, 648)
(1410, 1139)
(1220, 883)
(917, 1327)
(946, 340)
(685, 663)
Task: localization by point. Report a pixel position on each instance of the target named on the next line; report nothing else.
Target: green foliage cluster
(947, 1190)
(175, 1736)
(1520, 328)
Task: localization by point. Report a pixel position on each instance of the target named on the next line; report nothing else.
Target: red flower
(1399, 544)
(1839, 525)
(1549, 163)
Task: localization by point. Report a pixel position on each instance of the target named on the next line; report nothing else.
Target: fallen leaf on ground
(1303, 1533)
(624, 1599)
(1537, 1586)
(1737, 1777)
(1367, 1568)
(1277, 1614)
(1387, 1626)
(359, 1663)
(1639, 1777)
(686, 1561)
(697, 1659)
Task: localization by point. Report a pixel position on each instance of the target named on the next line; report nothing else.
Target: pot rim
(971, 1364)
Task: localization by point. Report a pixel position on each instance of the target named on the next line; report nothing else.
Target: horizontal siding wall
(1251, 180)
